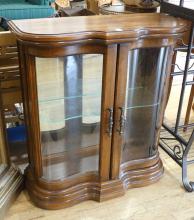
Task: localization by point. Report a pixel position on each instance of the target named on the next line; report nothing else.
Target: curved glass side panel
(145, 81)
(69, 99)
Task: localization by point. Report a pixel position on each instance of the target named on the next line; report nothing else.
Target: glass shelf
(135, 88)
(90, 95)
(143, 106)
(71, 118)
(69, 97)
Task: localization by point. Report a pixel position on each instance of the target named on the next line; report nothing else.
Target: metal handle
(110, 121)
(122, 121)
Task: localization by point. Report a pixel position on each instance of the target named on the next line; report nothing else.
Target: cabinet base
(133, 174)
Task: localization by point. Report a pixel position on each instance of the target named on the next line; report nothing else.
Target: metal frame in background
(180, 152)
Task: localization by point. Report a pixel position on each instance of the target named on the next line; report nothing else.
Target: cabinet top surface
(105, 27)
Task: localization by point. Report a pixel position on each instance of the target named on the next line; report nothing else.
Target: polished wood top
(108, 28)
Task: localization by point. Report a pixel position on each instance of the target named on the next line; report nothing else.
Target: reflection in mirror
(69, 99)
(11, 97)
(145, 81)
(11, 180)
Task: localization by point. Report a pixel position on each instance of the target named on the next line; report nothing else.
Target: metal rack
(174, 142)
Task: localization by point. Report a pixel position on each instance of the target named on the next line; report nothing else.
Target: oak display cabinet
(94, 95)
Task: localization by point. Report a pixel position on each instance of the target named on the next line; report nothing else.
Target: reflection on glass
(146, 74)
(69, 98)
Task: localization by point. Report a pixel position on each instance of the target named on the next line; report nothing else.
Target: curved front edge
(134, 174)
(143, 172)
(52, 199)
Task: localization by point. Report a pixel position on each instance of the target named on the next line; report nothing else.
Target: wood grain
(107, 29)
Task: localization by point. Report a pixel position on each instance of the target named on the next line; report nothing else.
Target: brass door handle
(110, 122)
(122, 120)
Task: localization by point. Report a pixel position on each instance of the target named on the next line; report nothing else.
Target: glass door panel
(145, 81)
(69, 99)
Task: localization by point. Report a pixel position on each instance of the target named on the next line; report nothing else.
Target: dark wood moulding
(133, 56)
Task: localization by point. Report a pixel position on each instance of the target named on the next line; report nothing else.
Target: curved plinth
(134, 174)
(141, 172)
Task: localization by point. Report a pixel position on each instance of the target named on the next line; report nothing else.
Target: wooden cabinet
(94, 95)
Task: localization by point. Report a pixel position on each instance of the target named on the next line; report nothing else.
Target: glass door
(145, 80)
(69, 99)
(138, 103)
(75, 108)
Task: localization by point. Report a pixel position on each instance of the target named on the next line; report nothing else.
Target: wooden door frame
(109, 53)
(120, 87)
